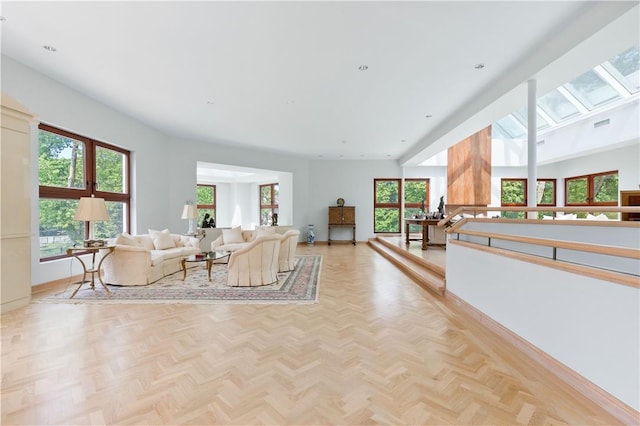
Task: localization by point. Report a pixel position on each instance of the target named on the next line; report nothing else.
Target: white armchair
(288, 245)
(255, 264)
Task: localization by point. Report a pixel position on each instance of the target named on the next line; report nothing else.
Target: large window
(416, 197)
(268, 203)
(71, 166)
(600, 189)
(387, 196)
(206, 203)
(513, 193)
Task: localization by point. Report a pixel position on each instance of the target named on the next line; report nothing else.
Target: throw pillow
(177, 240)
(232, 236)
(126, 239)
(162, 239)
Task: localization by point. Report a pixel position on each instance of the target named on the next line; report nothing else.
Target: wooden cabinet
(630, 199)
(15, 217)
(342, 217)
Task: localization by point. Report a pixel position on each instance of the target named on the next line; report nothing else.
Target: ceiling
(290, 76)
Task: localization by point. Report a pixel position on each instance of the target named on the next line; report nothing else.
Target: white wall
(351, 180)
(587, 324)
(59, 106)
(164, 168)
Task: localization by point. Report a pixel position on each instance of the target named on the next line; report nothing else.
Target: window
(557, 106)
(546, 195)
(546, 192)
(513, 192)
(600, 189)
(625, 67)
(72, 166)
(206, 203)
(386, 206)
(591, 90)
(416, 196)
(268, 203)
(387, 196)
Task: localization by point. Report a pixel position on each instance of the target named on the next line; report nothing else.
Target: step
(426, 274)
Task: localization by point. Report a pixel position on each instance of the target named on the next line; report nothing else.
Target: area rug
(297, 286)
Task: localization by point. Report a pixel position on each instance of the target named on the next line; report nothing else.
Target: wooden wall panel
(469, 170)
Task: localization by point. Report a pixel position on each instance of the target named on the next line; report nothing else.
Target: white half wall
(589, 325)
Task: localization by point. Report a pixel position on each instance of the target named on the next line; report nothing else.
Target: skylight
(614, 80)
(591, 90)
(625, 67)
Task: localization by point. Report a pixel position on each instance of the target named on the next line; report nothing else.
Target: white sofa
(288, 245)
(256, 263)
(233, 239)
(143, 259)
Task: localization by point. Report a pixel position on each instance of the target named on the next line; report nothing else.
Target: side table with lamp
(91, 209)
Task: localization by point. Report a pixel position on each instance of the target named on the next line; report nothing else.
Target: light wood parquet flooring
(376, 349)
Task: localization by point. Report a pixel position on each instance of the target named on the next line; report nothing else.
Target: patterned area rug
(297, 286)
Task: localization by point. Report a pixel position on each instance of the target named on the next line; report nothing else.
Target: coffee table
(207, 257)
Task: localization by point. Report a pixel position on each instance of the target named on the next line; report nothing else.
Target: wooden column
(469, 171)
(15, 217)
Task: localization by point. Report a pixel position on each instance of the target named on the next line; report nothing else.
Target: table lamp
(190, 212)
(91, 209)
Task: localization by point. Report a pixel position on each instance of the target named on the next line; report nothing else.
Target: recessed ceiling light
(49, 48)
(344, 142)
(2, 19)
(428, 116)
(361, 155)
(210, 102)
(320, 156)
(388, 155)
(403, 140)
(291, 102)
(363, 67)
(341, 156)
(478, 66)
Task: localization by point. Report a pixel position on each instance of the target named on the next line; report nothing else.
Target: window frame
(208, 206)
(377, 205)
(273, 206)
(416, 205)
(555, 192)
(526, 199)
(590, 190)
(90, 184)
(398, 204)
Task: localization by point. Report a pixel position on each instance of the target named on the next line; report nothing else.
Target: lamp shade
(190, 211)
(91, 209)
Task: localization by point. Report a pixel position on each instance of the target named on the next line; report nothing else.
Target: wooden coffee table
(207, 257)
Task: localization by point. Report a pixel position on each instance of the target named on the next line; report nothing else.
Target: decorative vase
(311, 235)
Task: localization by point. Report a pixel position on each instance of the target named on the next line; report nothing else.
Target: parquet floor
(376, 349)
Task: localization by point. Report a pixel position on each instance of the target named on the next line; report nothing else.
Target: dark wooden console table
(424, 223)
(342, 217)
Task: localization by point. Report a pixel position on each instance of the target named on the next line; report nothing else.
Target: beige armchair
(255, 264)
(288, 245)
